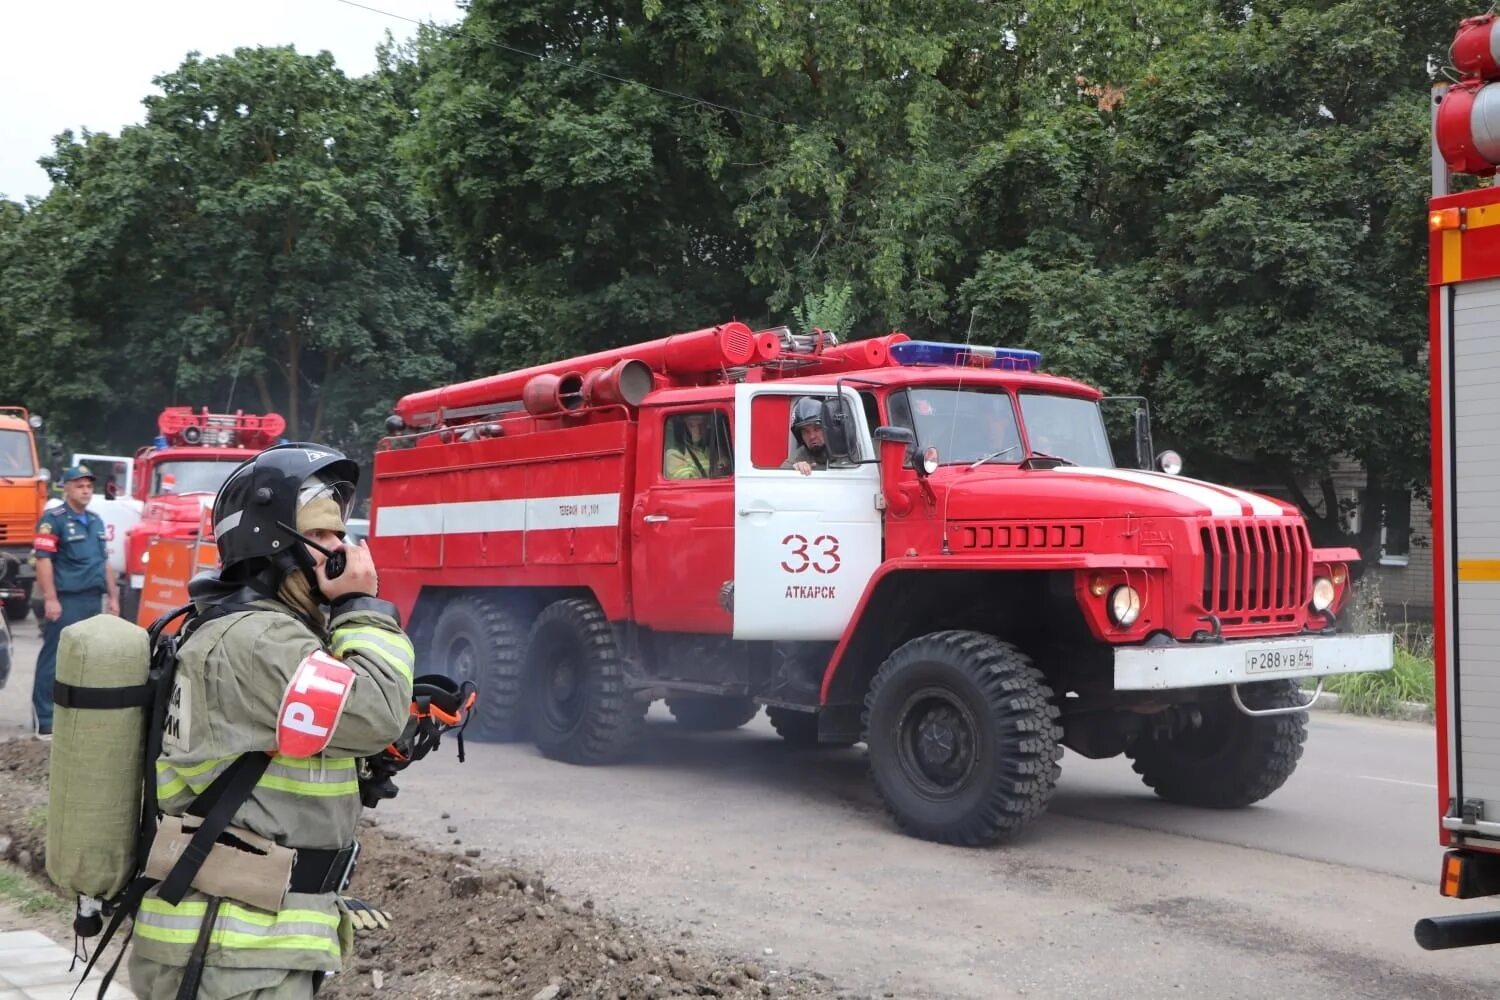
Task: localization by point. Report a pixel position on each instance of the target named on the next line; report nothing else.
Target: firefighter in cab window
(289, 664)
(812, 442)
(694, 448)
(72, 561)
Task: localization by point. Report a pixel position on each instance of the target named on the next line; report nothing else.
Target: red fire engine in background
(970, 584)
(177, 476)
(1464, 291)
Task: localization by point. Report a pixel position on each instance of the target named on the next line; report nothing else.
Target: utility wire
(543, 57)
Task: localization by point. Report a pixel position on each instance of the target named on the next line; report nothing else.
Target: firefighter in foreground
(258, 642)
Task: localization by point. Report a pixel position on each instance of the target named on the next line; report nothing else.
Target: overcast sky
(87, 63)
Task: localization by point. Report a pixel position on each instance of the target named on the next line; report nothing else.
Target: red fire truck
(177, 475)
(1464, 284)
(961, 578)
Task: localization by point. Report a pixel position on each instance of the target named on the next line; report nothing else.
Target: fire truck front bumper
(1246, 661)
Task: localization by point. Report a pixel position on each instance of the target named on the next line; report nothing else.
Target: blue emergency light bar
(932, 352)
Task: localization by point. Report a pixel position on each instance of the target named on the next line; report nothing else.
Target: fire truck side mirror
(838, 426)
(1143, 449)
(898, 450)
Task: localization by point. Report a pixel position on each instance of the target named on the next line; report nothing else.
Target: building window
(1395, 531)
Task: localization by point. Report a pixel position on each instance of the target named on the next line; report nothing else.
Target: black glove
(375, 784)
(437, 706)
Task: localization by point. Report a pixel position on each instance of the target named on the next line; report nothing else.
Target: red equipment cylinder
(548, 394)
(728, 345)
(1468, 128)
(1476, 48)
(767, 346)
(625, 382)
(854, 355)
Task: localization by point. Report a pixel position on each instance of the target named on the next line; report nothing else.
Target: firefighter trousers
(153, 981)
(75, 608)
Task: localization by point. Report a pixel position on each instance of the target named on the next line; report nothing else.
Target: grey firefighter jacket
(231, 676)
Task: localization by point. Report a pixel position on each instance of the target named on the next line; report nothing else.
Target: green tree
(253, 244)
(1253, 206)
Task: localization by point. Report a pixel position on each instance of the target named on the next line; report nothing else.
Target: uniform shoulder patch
(45, 528)
(312, 705)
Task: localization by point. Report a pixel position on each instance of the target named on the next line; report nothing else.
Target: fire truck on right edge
(968, 586)
(1464, 291)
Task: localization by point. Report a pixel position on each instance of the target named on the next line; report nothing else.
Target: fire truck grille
(1021, 536)
(1255, 567)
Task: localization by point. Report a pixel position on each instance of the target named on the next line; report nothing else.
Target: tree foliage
(252, 244)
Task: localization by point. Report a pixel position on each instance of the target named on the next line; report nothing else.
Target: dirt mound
(461, 927)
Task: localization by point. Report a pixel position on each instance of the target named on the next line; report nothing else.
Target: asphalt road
(747, 845)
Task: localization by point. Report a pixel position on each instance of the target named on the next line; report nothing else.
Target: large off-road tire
(482, 640)
(800, 729)
(1232, 759)
(16, 608)
(577, 703)
(709, 714)
(963, 738)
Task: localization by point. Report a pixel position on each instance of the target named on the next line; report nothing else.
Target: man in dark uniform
(72, 572)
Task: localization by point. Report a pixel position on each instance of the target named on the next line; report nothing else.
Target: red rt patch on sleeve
(312, 705)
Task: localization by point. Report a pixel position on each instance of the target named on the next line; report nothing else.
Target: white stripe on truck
(590, 510)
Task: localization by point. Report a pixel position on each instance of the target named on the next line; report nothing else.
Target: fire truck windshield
(15, 454)
(1067, 427)
(965, 425)
(203, 475)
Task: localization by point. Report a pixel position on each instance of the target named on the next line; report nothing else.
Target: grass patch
(26, 893)
(1411, 679)
(36, 817)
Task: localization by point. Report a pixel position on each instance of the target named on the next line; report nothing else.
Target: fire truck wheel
(1231, 759)
(16, 608)
(706, 715)
(800, 729)
(577, 703)
(483, 641)
(963, 738)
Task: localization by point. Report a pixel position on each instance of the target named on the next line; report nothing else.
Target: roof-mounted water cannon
(181, 426)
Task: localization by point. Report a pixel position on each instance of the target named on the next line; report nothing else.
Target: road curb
(1406, 711)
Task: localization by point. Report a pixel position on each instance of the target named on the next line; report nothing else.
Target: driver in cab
(812, 442)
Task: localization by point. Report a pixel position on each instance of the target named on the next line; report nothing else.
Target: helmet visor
(324, 505)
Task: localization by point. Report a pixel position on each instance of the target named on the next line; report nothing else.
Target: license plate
(1271, 661)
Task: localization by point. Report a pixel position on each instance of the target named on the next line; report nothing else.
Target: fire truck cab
(961, 577)
(176, 477)
(23, 496)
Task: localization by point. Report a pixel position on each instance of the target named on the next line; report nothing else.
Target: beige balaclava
(321, 513)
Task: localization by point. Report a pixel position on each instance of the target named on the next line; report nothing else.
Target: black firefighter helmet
(806, 411)
(255, 511)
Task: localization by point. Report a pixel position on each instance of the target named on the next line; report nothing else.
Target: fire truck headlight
(1124, 605)
(145, 558)
(930, 461)
(1323, 594)
(1169, 462)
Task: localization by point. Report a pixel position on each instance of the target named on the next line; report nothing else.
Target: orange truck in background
(23, 496)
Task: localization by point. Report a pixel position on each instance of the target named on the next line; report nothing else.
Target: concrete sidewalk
(34, 967)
